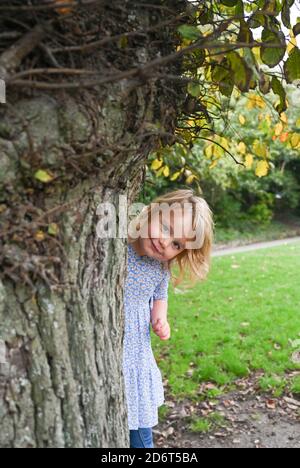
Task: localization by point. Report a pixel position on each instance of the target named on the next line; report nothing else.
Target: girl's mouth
(154, 248)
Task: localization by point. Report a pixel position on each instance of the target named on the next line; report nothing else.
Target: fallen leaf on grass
(296, 357)
(271, 404)
(168, 432)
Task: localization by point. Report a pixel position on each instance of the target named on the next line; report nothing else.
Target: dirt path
(241, 419)
(218, 251)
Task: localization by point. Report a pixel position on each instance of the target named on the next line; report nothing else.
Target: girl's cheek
(154, 231)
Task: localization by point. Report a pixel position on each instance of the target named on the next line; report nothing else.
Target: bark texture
(61, 381)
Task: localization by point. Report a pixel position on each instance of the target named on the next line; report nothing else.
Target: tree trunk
(61, 380)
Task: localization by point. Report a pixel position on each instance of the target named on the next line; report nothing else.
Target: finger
(165, 337)
(158, 327)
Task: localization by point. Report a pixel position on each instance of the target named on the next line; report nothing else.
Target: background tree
(248, 195)
(92, 88)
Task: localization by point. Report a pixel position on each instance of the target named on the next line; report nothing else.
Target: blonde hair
(196, 262)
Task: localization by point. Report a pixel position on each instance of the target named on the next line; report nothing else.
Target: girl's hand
(162, 329)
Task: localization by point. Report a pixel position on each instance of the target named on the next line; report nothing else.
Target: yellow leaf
(166, 171)
(242, 148)
(268, 119)
(160, 171)
(43, 176)
(260, 149)
(213, 164)
(262, 168)
(249, 161)
(64, 10)
(256, 52)
(123, 42)
(278, 129)
(156, 164)
(39, 236)
(283, 118)
(295, 140)
(225, 143)
(255, 101)
(190, 178)
(53, 229)
(291, 43)
(207, 72)
(218, 151)
(209, 150)
(242, 119)
(175, 175)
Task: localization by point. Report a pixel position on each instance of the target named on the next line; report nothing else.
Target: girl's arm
(159, 320)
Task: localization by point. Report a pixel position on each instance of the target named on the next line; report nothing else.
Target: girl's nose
(164, 242)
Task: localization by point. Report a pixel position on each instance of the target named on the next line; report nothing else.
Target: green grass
(242, 319)
(203, 425)
(295, 385)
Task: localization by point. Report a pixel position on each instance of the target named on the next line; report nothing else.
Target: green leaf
(53, 229)
(226, 87)
(271, 56)
(296, 29)
(240, 11)
(206, 16)
(264, 83)
(271, 6)
(278, 89)
(229, 3)
(242, 74)
(189, 32)
(256, 20)
(222, 75)
(175, 176)
(245, 34)
(43, 176)
(292, 66)
(194, 89)
(286, 14)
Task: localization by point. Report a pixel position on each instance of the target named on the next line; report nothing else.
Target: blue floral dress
(147, 280)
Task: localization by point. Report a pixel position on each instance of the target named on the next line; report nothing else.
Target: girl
(175, 228)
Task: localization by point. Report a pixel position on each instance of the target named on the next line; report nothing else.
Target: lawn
(244, 318)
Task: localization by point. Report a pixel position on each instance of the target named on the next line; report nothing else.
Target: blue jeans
(141, 438)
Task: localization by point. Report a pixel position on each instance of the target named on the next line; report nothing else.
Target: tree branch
(11, 59)
(50, 6)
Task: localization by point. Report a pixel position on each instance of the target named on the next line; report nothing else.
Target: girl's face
(165, 235)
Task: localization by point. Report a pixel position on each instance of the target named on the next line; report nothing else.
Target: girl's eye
(178, 245)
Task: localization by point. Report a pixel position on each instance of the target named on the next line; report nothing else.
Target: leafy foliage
(225, 64)
(240, 194)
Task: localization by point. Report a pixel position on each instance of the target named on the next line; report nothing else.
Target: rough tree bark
(61, 382)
